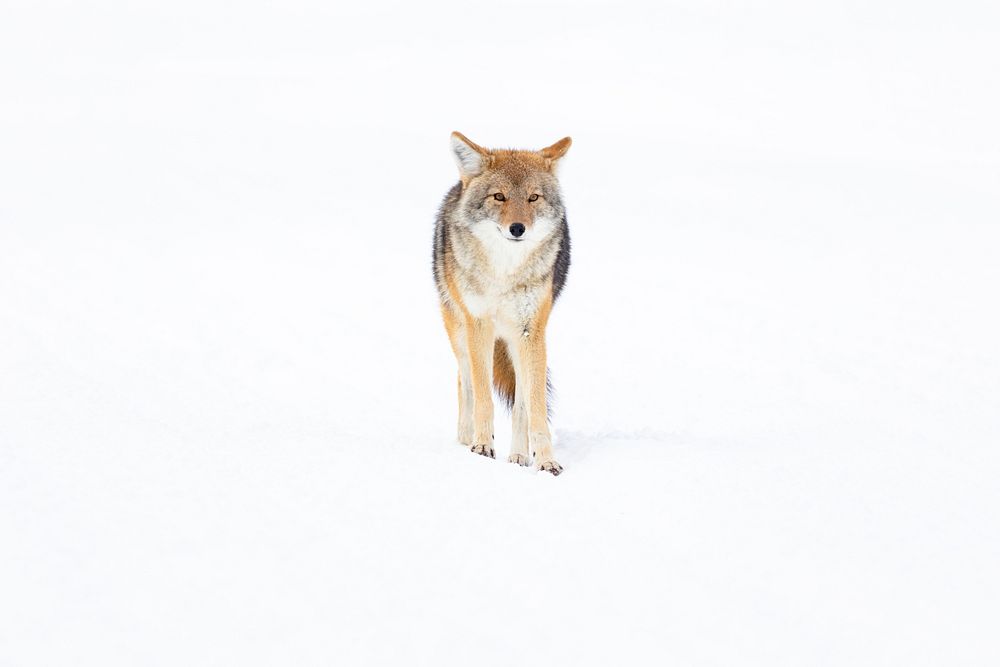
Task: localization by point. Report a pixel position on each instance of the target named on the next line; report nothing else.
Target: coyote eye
(499, 196)
(533, 198)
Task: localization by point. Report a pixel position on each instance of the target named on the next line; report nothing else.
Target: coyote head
(515, 190)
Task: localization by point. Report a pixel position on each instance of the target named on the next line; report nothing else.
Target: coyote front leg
(481, 341)
(519, 450)
(532, 368)
(455, 326)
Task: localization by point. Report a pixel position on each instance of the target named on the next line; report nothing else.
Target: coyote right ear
(556, 150)
(470, 157)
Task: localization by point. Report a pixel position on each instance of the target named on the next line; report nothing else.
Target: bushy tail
(504, 380)
(503, 373)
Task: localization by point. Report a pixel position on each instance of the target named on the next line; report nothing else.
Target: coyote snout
(501, 253)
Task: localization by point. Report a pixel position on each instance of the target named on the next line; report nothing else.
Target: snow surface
(227, 402)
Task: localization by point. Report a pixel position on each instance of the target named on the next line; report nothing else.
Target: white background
(227, 403)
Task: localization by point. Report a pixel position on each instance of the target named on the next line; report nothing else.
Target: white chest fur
(510, 310)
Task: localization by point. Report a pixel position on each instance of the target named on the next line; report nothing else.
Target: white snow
(227, 402)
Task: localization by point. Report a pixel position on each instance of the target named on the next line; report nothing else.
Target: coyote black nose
(516, 229)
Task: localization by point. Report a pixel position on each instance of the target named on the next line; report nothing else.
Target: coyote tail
(504, 380)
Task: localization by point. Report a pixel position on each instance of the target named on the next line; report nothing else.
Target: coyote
(501, 254)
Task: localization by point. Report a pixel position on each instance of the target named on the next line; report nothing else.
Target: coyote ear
(469, 156)
(556, 150)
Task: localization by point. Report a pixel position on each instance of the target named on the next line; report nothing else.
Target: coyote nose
(516, 229)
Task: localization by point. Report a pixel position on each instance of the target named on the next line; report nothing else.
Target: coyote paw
(519, 459)
(484, 450)
(550, 466)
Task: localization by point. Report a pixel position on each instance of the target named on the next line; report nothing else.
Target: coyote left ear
(469, 156)
(556, 150)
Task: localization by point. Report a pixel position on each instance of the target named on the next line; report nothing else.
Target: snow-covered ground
(227, 401)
